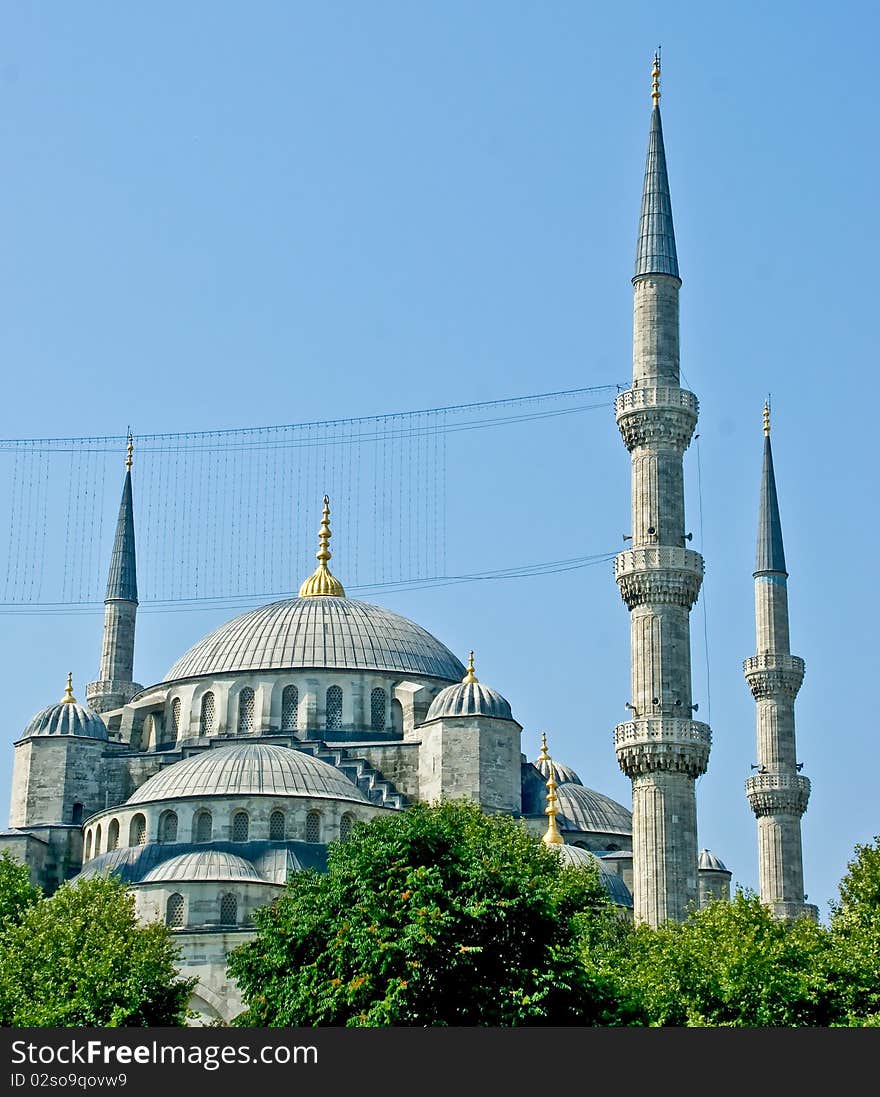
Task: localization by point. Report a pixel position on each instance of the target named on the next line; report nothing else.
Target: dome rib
(248, 769)
(207, 864)
(319, 633)
(584, 809)
(67, 718)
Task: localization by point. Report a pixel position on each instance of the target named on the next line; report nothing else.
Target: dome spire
(552, 836)
(321, 583)
(470, 678)
(655, 78)
(68, 698)
(543, 756)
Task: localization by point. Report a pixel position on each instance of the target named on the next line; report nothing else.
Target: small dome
(248, 769)
(576, 857)
(583, 809)
(708, 862)
(469, 699)
(206, 864)
(563, 774)
(67, 718)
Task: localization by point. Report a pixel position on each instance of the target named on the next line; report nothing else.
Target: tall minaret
(115, 685)
(777, 793)
(661, 749)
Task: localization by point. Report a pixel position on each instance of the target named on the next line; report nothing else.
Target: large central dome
(319, 633)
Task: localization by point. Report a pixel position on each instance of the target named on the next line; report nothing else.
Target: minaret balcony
(774, 674)
(659, 574)
(778, 793)
(654, 415)
(670, 744)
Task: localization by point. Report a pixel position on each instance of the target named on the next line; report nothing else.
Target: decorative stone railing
(659, 574)
(772, 793)
(662, 743)
(636, 399)
(772, 675)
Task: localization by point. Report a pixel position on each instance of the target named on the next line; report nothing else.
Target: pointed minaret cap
(321, 584)
(122, 579)
(552, 837)
(770, 555)
(68, 698)
(655, 250)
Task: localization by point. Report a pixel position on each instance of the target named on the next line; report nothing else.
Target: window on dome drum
(76, 814)
(174, 910)
(246, 711)
(240, 826)
(206, 725)
(313, 826)
(276, 826)
(97, 839)
(137, 832)
(289, 706)
(168, 826)
(345, 825)
(88, 852)
(203, 827)
(334, 708)
(228, 910)
(113, 835)
(175, 715)
(377, 709)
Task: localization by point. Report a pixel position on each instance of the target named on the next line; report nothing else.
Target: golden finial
(130, 452)
(470, 678)
(68, 698)
(543, 756)
(552, 837)
(655, 78)
(767, 417)
(321, 584)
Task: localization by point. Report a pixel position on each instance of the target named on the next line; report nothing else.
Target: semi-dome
(206, 864)
(708, 862)
(469, 697)
(67, 717)
(320, 633)
(248, 769)
(584, 809)
(563, 774)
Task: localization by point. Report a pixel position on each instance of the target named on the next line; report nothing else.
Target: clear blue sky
(220, 215)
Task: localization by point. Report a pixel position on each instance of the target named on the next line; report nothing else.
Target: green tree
(730, 964)
(17, 893)
(439, 915)
(82, 958)
(854, 963)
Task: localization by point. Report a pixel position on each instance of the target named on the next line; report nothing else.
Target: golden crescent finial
(543, 756)
(68, 698)
(655, 78)
(321, 584)
(129, 457)
(470, 678)
(552, 836)
(767, 417)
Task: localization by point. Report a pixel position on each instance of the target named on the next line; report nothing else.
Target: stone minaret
(115, 685)
(777, 793)
(661, 749)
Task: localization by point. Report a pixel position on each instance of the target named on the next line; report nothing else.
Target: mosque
(277, 732)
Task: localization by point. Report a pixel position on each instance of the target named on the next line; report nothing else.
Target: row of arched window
(244, 723)
(203, 829)
(175, 910)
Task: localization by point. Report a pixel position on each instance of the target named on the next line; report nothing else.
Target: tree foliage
(440, 915)
(81, 958)
(17, 893)
(854, 967)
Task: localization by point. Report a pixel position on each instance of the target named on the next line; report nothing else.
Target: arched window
(345, 825)
(334, 708)
(175, 715)
(168, 826)
(88, 853)
(206, 725)
(240, 826)
(246, 711)
(113, 834)
(313, 826)
(174, 910)
(276, 826)
(289, 706)
(137, 832)
(228, 910)
(76, 814)
(97, 839)
(397, 716)
(203, 827)
(377, 709)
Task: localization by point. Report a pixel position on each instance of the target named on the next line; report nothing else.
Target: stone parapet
(789, 912)
(110, 693)
(774, 675)
(660, 415)
(778, 793)
(659, 574)
(659, 744)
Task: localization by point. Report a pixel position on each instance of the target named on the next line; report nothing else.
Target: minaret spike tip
(470, 678)
(129, 455)
(767, 417)
(68, 698)
(321, 583)
(655, 78)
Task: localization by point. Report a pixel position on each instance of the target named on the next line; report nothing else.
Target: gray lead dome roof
(206, 864)
(67, 718)
(320, 633)
(248, 769)
(584, 809)
(469, 699)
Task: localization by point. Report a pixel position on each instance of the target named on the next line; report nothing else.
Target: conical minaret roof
(655, 250)
(770, 557)
(122, 581)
